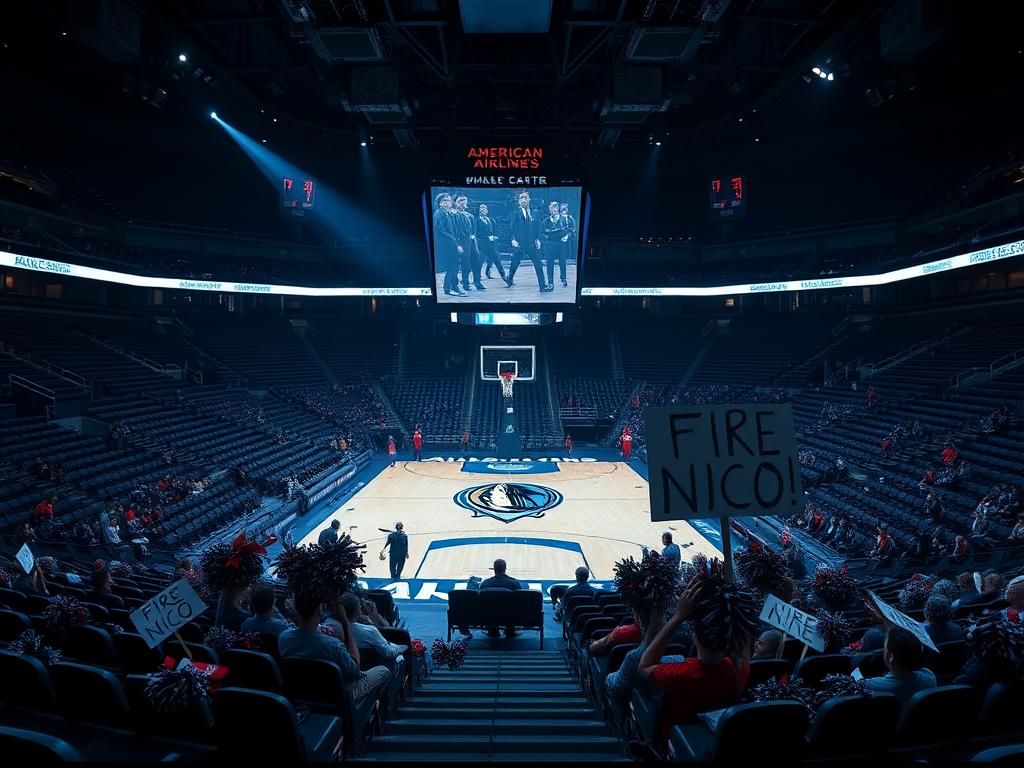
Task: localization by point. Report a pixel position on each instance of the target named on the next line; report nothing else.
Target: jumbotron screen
(506, 245)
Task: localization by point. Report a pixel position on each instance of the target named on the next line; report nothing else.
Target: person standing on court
(417, 445)
(399, 544)
(392, 449)
(627, 443)
(465, 444)
(671, 550)
(329, 535)
(568, 445)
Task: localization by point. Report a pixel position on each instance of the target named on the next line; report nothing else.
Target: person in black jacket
(525, 241)
(569, 247)
(554, 234)
(466, 227)
(486, 237)
(447, 250)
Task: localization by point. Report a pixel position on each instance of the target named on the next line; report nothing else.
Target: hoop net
(507, 380)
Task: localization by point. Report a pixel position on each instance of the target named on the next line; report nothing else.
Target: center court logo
(508, 502)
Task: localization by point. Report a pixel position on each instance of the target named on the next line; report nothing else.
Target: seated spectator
(84, 534)
(949, 455)
(1017, 534)
(831, 531)
(329, 535)
(620, 684)
(769, 645)
(265, 619)
(368, 636)
(933, 507)
(559, 594)
(793, 553)
(500, 580)
(1015, 598)
(961, 549)
(624, 634)
(844, 539)
(927, 480)
(307, 641)
(44, 509)
(232, 616)
(101, 591)
(885, 547)
(716, 677)
(31, 583)
(937, 614)
(921, 547)
(25, 534)
(903, 655)
(991, 590)
(966, 587)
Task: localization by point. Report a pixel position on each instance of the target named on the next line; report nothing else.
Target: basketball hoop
(507, 380)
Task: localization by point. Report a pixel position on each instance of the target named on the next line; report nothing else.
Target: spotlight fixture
(263, 141)
(213, 115)
(657, 143)
(273, 120)
(182, 58)
(362, 143)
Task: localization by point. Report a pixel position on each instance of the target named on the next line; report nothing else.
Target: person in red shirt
(568, 445)
(950, 454)
(622, 634)
(417, 445)
(627, 443)
(724, 624)
(44, 509)
(392, 449)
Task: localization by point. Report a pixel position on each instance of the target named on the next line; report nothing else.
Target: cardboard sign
(900, 619)
(166, 613)
(722, 461)
(26, 558)
(793, 622)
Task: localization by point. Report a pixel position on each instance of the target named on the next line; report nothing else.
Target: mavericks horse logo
(508, 501)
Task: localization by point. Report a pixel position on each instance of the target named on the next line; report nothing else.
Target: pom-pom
(449, 655)
(118, 569)
(647, 586)
(223, 639)
(999, 643)
(5, 578)
(915, 593)
(773, 690)
(31, 643)
(834, 627)
(764, 570)
(418, 648)
(174, 690)
(836, 685)
(64, 612)
(232, 566)
(47, 565)
(321, 571)
(833, 587)
(725, 618)
(946, 588)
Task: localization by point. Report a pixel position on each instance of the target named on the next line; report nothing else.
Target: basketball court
(544, 524)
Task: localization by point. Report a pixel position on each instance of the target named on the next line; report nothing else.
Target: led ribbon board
(995, 253)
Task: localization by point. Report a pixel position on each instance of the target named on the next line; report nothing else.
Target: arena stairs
(499, 706)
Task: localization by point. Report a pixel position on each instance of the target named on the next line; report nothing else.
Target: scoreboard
(728, 196)
(297, 196)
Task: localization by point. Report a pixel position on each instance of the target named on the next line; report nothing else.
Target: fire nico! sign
(722, 461)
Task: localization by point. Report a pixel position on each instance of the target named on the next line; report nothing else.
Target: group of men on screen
(466, 245)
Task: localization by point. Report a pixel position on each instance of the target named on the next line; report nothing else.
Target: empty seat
(849, 726)
(241, 713)
(1009, 755)
(90, 694)
(21, 747)
(91, 645)
(252, 669)
(742, 733)
(12, 624)
(762, 670)
(813, 669)
(1001, 710)
(200, 652)
(134, 656)
(193, 723)
(936, 716)
(26, 683)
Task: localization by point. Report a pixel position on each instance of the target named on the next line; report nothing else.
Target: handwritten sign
(26, 558)
(899, 619)
(722, 461)
(794, 622)
(166, 613)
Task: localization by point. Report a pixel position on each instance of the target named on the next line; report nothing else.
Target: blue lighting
(213, 115)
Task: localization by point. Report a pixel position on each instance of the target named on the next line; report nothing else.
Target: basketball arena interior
(527, 381)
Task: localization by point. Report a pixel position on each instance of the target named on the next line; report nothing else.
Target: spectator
(937, 614)
(1017, 534)
(329, 535)
(934, 508)
(1015, 598)
(961, 549)
(885, 547)
(670, 551)
(265, 619)
(44, 509)
(793, 554)
(902, 655)
(32, 583)
(500, 580)
(950, 454)
(717, 675)
(991, 589)
(307, 641)
(233, 616)
(769, 645)
(582, 587)
(25, 534)
(624, 634)
(102, 583)
(368, 636)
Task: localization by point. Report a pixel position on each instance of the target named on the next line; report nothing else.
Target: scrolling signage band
(722, 461)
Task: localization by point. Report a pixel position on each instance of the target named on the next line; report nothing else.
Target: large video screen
(506, 245)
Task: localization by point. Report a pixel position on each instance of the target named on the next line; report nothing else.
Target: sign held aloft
(164, 614)
(900, 619)
(793, 622)
(722, 461)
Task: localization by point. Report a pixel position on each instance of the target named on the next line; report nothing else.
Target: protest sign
(900, 619)
(794, 622)
(166, 613)
(722, 461)
(26, 558)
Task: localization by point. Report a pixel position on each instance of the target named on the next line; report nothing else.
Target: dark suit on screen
(485, 229)
(465, 224)
(445, 241)
(551, 233)
(525, 231)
